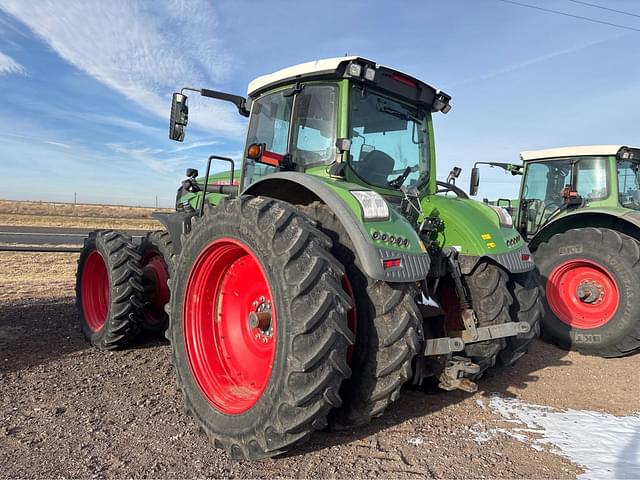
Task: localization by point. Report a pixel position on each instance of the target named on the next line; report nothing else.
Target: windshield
(390, 145)
(628, 184)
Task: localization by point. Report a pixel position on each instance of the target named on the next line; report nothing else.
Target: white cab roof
(584, 150)
(317, 67)
(326, 65)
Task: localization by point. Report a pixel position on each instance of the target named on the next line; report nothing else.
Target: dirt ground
(68, 410)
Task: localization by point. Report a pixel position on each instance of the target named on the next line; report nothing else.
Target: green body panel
(470, 226)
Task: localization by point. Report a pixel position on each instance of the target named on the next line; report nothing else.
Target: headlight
(373, 205)
(504, 216)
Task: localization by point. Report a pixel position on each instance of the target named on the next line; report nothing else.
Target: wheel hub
(582, 294)
(95, 291)
(260, 320)
(590, 292)
(230, 326)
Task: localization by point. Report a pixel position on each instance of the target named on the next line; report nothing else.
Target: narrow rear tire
(109, 290)
(157, 262)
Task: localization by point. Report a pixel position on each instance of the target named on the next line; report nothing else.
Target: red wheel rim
(156, 291)
(231, 360)
(352, 314)
(94, 288)
(582, 294)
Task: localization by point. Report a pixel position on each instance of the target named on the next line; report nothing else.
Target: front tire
(591, 278)
(258, 326)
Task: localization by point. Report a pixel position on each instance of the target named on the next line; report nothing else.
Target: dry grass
(53, 214)
(79, 222)
(75, 210)
(36, 275)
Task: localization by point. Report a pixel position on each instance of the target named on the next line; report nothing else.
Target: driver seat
(375, 167)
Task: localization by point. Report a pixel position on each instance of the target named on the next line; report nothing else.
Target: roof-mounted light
(369, 74)
(354, 69)
(441, 102)
(626, 153)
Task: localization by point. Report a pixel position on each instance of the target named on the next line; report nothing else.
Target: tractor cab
(567, 179)
(346, 117)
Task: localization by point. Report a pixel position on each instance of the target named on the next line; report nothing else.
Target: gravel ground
(70, 411)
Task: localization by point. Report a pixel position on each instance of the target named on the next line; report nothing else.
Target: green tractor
(579, 210)
(332, 268)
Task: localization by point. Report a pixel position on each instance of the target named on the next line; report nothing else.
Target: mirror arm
(237, 100)
(512, 168)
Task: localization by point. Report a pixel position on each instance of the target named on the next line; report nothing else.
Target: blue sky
(87, 84)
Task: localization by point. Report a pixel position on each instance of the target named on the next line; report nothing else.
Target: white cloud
(58, 144)
(144, 51)
(9, 65)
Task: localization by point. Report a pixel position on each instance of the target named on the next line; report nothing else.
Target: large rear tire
(258, 326)
(157, 259)
(388, 332)
(109, 289)
(591, 278)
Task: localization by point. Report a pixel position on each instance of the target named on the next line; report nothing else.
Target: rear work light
(354, 69)
(392, 262)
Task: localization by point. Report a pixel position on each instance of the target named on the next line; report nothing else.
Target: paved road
(34, 236)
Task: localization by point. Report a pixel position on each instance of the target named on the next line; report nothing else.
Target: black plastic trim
(510, 261)
(176, 224)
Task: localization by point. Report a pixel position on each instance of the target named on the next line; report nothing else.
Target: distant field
(76, 215)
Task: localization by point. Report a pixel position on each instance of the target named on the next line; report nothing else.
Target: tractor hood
(476, 230)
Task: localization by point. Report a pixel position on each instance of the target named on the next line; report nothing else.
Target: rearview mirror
(475, 181)
(179, 117)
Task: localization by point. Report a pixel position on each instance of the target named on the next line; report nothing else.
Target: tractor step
(457, 342)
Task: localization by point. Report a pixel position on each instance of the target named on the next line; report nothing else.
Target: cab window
(269, 124)
(316, 111)
(629, 184)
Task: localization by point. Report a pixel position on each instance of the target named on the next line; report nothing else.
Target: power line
(580, 2)
(588, 19)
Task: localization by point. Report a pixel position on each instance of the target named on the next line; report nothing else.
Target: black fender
(176, 223)
(628, 223)
(298, 188)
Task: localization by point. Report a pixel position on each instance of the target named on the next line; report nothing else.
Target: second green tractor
(329, 269)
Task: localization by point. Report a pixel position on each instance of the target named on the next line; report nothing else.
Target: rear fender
(302, 189)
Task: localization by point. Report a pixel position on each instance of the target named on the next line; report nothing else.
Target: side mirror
(179, 117)
(475, 181)
(192, 172)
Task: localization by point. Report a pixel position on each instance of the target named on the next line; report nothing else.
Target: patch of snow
(607, 446)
